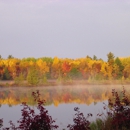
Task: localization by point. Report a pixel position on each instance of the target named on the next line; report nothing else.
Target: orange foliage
(87, 67)
(66, 67)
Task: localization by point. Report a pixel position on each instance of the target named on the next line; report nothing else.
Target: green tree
(110, 57)
(33, 76)
(6, 75)
(94, 57)
(74, 73)
(88, 57)
(121, 67)
(10, 57)
(19, 80)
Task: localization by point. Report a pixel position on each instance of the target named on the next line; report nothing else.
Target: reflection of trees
(56, 96)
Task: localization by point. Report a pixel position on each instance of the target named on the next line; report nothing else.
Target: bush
(80, 122)
(1, 123)
(19, 80)
(33, 77)
(97, 125)
(120, 111)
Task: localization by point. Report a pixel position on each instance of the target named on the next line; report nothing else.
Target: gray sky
(64, 28)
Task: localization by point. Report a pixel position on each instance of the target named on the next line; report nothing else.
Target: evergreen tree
(10, 57)
(110, 57)
(94, 57)
(6, 75)
(88, 57)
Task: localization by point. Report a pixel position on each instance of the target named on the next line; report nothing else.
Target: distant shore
(9, 83)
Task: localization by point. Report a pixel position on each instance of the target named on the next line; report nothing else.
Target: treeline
(38, 70)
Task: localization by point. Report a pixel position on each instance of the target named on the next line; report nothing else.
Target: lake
(60, 101)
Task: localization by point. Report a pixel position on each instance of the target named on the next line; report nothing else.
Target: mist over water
(60, 101)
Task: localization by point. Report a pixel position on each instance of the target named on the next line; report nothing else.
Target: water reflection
(60, 102)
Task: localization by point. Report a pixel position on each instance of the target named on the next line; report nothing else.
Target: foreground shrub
(1, 123)
(32, 121)
(97, 125)
(120, 111)
(80, 122)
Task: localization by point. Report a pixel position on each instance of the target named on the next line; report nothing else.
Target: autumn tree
(56, 68)
(126, 72)
(42, 66)
(66, 67)
(110, 56)
(90, 68)
(24, 68)
(13, 66)
(75, 69)
(106, 71)
(126, 63)
(43, 69)
(1, 69)
(96, 70)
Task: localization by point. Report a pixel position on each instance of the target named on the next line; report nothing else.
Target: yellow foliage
(1, 63)
(39, 62)
(55, 61)
(125, 61)
(75, 63)
(6, 62)
(104, 69)
(56, 67)
(31, 63)
(10, 101)
(89, 100)
(42, 66)
(90, 64)
(85, 66)
(56, 103)
(77, 101)
(104, 97)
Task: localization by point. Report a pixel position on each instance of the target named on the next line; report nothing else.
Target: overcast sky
(64, 28)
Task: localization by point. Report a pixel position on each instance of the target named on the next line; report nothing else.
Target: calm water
(60, 101)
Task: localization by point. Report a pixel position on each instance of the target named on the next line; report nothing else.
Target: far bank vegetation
(38, 71)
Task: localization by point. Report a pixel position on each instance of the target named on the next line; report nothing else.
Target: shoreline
(11, 83)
